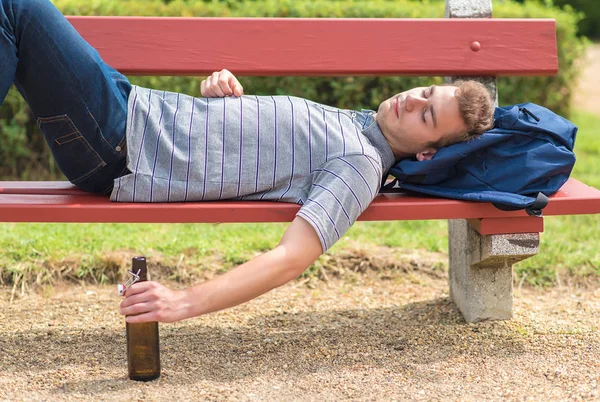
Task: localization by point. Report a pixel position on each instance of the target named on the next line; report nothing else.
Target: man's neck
(398, 155)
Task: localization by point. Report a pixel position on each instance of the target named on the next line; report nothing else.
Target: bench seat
(37, 201)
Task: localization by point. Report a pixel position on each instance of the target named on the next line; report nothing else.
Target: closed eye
(425, 95)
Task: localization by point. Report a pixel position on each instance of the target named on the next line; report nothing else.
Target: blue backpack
(526, 157)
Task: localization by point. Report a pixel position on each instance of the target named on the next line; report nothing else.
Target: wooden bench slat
(89, 208)
(487, 226)
(322, 46)
(39, 187)
(19, 202)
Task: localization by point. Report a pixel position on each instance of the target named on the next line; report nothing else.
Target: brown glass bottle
(143, 353)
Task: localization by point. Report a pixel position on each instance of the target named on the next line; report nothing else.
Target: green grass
(98, 252)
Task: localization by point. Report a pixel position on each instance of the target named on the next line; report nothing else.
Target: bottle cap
(133, 278)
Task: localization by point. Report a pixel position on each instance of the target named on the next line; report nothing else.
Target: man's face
(413, 119)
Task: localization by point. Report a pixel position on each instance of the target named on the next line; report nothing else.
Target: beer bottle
(143, 354)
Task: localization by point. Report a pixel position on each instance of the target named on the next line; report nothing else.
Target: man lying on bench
(145, 145)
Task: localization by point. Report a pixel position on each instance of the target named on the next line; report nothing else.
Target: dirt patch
(586, 97)
(375, 335)
(111, 267)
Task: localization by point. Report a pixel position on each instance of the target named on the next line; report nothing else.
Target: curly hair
(476, 109)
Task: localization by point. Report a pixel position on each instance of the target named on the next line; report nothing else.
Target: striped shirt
(276, 148)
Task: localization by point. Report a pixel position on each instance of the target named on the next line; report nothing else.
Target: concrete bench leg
(481, 282)
(481, 275)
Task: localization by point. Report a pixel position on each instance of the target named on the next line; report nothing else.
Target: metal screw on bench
(143, 353)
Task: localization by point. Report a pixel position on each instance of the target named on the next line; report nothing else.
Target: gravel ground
(370, 336)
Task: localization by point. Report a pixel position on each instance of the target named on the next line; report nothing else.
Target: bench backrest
(326, 47)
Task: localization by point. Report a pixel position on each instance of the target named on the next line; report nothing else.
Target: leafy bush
(589, 25)
(555, 92)
(24, 151)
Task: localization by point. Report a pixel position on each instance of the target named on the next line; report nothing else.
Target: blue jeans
(80, 103)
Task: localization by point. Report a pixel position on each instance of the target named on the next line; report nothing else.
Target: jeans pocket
(74, 155)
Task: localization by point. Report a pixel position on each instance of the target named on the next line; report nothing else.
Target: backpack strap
(526, 111)
(540, 203)
(534, 210)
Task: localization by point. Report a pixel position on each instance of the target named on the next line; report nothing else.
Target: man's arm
(298, 249)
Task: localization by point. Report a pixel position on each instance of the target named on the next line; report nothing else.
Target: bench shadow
(397, 338)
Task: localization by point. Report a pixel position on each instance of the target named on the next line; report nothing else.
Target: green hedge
(589, 25)
(23, 153)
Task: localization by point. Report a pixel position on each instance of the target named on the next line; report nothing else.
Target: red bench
(484, 47)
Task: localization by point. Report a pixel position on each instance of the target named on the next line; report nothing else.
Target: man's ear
(426, 155)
